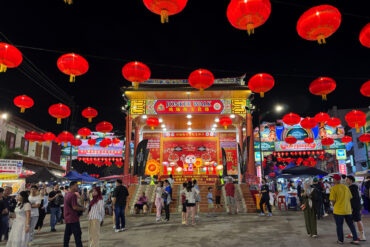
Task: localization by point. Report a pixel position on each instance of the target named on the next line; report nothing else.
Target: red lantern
(91, 142)
(291, 119)
(152, 122)
(89, 113)
(304, 153)
(103, 144)
(365, 89)
(23, 102)
(319, 23)
(346, 139)
(84, 132)
(136, 73)
(10, 57)
(356, 119)
(261, 83)
(32, 136)
(72, 65)
(59, 111)
(76, 142)
(201, 79)
(290, 140)
(272, 174)
(48, 137)
(308, 123)
(327, 141)
(116, 141)
(165, 8)
(248, 15)
(333, 122)
(322, 118)
(365, 138)
(365, 36)
(65, 137)
(104, 127)
(308, 140)
(57, 140)
(226, 121)
(107, 141)
(322, 86)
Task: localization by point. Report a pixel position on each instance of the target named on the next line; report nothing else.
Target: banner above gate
(188, 106)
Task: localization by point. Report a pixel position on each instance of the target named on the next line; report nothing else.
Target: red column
(251, 169)
(127, 145)
(137, 140)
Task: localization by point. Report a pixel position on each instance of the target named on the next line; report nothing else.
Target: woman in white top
(19, 235)
(191, 194)
(96, 216)
(158, 200)
(35, 201)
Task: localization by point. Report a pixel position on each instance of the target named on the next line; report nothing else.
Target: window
(45, 153)
(10, 139)
(38, 150)
(25, 145)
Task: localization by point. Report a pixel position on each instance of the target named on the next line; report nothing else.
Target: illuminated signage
(342, 167)
(341, 154)
(265, 146)
(298, 146)
(188, 106)
(189, 134)
(257, 156)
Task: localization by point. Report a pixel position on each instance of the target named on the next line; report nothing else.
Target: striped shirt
(97, 211)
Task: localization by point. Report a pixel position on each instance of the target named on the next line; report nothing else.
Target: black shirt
(2, 206)
(120, 193)
(355, 201)
(10, 203)
(52, 202)
(265, 190)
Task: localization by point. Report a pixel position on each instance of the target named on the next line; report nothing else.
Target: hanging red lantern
(333, 122)
(104, 127)
(248, 15)
(346, 139)
(10, 57)
(290, 140)
(32, 136)
(356, 119)
(84, 132)
(76, 142)
(201, 79)
(48, 137)
(308, 152)
(59, 111)
(116, 141)
(308, 123)
(152, 122)
(165, 8)
(136, 73)
(65, 137)
(91, 142)
(291, 119)
(308, 140)
(327, 141)
(72, 65)
(23, 102)
(89, 113)
(103, 144)
(318, 23)
(261, 83)
(321, 118)
(322, 86)
(304, 152)
(57, 140)
(365, 138)
(107, 141)
(365, 36)
(226, 121)
(365, 89)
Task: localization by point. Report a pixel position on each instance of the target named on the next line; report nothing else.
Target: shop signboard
(265, 146)
(341, 154)
(188, 106)
(338, 144)
(342, 167)
(189, 134)
(257, 156)
(298, 146)
(10, 167)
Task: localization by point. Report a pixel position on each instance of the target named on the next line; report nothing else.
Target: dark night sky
(109, 33)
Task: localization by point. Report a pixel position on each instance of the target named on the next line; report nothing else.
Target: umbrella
(304, 170)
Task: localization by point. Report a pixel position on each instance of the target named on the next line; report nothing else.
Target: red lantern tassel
(23, 109)
(164, 16)
(324, 97)
(262, 94)
(250, 29)
(59, 120)
(90, 119)
(321, 39)
(3, 68)
(72, 78)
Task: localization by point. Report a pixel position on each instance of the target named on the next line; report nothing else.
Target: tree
(6, 152)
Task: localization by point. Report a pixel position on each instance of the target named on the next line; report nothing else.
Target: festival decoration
(365, 138)
(69, 2)
(291, 119)
(72, 65)
(327, 141)
(346, 139)
(290, 140)
(84, 132)
(89, 113)
(103, 144)
(10, 57)
(152, 122)
(365, 36)
(59, 111)
(104, 127)
(201, 79)
(119, 164)
(198, 164)
(333, 122)
(65, 137)
(57, 140)
(107, 141)
(308, 140)
(322, 86)
(23, 102)
(116, 141)
(226, 121)
(152, 169)
(48, 137)
(365, 89)
(91, 142)
(356, 119)
(319, 23)
(76, 142)
(136, 73)
(321, 118)
(32, 136)
(308, 123)
(165, 8)
(261, 83)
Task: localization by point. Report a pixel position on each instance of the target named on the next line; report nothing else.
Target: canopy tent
(75, 176)
(113, 177)
(304, 170)
(44, 175)
(88, 178)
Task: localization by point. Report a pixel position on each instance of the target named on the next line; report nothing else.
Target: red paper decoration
(322, 86)
(327, 141)
(72, 65)
(319, 23)
(365, 36)
(365, 89)
(10, 57)
(57, 140)
(91, 142)
(346, 139)
(308, 140)
(291, 119)
(165, 8)
(65, 137)
(321, 118)
(48, 137)
(308, 123)
(290, 140)
(201, 79)
(261, 83)
(23, 102)
(32, 136)
(152, 122)
(104, 127)
(84, 132)
(136, 73)
(116, 141)
(365, 138)
(226, 121)
(89, 113)
(356, 119)
(76, 142)
(333, 122)
(248, 15)
(59, 111)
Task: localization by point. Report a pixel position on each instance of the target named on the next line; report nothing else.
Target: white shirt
(158, 192)
(192, 195)
(170, 180)
(34, 200)
(97, 211)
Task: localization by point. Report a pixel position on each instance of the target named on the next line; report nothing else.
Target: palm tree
(6, 152)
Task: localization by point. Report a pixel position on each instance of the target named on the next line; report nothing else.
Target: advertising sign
(298, 146)
(265, 146)
(85, 150)
(342, 167)
(189, 134)
(10, 167)
(257, 156)
(341, 154)
(338, 144)
(188, 106)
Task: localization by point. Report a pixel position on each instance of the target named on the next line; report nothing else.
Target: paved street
(283, 229)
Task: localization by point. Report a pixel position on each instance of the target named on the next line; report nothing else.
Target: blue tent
(75, 176)
(88, 178)
(290, 165)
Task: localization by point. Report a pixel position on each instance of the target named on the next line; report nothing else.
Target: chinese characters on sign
(188, 106)
(189, 134)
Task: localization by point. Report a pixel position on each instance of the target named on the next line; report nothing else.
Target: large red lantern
(365, 89)
(226, 121)
(365, 138)
(65, 137)
(165, 8)
(104, 127)
(107, 141)
(308, 123)
(308, 140)
(365, 36)
(356, 119)
(32, 136)
(261, 83)
(91, 142)
(291, 119)
(321, 118)
(84, 132)
(23, 102)
(72, 65)
(136, 73)
(10, 57)
(333, 122)
(248, 15)
(346, 139)
(59, 111)
(48, 137)
(322, 86)
(327, 141)
(76, 142)
(152, 122)
(116, 141)
(319, 23)
(290, 140)
(57, 140)
(201, 79)
(89, 113)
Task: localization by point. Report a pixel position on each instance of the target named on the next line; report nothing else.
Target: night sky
(110, 33)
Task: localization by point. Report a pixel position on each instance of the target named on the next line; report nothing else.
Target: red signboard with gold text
(188, 106)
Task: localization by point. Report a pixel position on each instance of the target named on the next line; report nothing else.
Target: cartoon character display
(189, 163)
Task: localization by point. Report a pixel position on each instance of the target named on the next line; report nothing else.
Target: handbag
(164, 195)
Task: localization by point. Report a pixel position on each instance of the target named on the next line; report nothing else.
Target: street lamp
(279, 108)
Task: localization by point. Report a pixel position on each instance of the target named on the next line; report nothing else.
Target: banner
(231, 80)
(338, 144)
(188, 107)
(154, 145)
(229, 144)
(140, 159)
(10, 167)
(298, 146)
(189, 134)
(265, 146)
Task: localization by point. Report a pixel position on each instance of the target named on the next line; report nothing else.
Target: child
(183, 201)
(210, 202)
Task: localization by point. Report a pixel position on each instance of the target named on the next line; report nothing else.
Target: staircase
(248, 198)
(131, 194)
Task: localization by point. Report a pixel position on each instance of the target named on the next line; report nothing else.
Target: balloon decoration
(59, 111)
(89, 113)
(322, 86)
(365, 89)
(84, 132)
(261, 83)
(333, 122)
(72, 65)
(136, 73)
(104, 127)
(76, 142)
(308, 123)
(226, 121)
(91, 142)
(327, 141)
(365, 36)
(346, 139)
(48, 137)
(152, 122)
(152, 169)
(248, 15)
(65, 137)
(291, 119)
(165, 8)
(290, 140)
(23, 102)
(308, 140)
(356, 119)
(365, 138)
(10, 57)
(201, 79)
(321, 118)
(318, 23)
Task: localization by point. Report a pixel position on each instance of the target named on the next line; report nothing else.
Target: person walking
(35, 200)
(55, 201)
(85, 198)
(367, 194)
(42, 209)
(309, 209)
(197, 199)
(183, 201)
(167, 199)
(211, 206)
(218, 192)
(230, 195)
(72, 211)
(191, 195)
(120, 195)
(96, 217)
(158, 200)
(341, 196)
(19, 235)
(265, 198)
(319, 201)
(10, 205)
(327, 188)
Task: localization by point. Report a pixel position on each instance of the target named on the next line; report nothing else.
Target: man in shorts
(230, 193)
